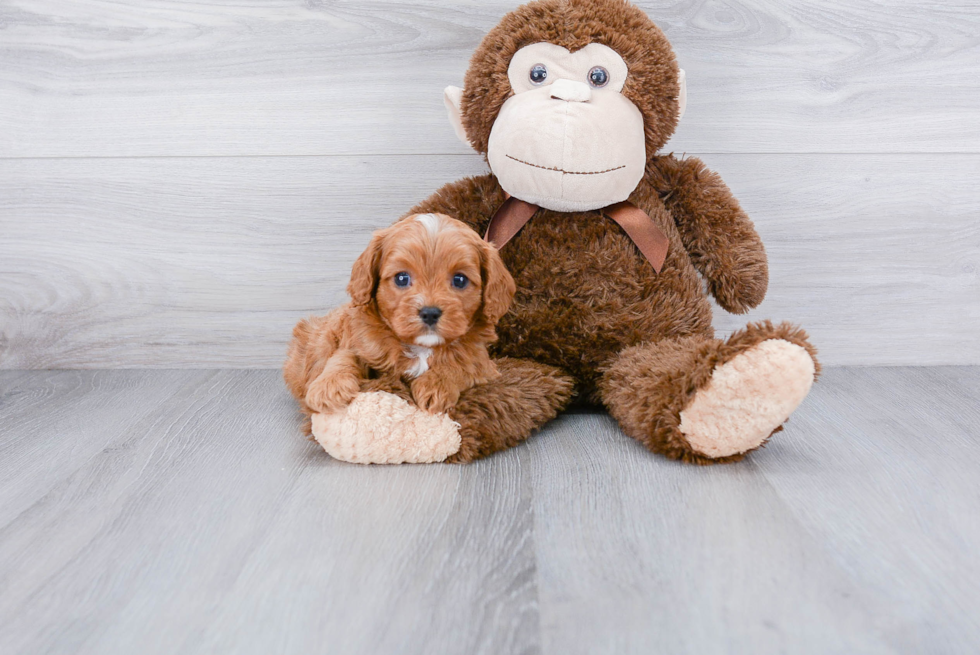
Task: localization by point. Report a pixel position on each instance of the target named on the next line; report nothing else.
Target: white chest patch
(421, 356)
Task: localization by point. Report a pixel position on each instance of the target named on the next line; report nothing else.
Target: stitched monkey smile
(564, 172)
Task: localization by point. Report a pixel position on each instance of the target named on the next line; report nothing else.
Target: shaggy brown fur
(717, 234)
(584, 291)
(588, 304)
(504, 412)
(648, 385)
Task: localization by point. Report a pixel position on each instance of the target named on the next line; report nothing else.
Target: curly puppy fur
(587, 303)
(430, 264)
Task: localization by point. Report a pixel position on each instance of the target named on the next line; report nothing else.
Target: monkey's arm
(716, 232)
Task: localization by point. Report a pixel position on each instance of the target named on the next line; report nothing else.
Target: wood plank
(81, 420)
(853, 531)
(162, 78)
(211, 525)
(209, 262)
(7, 378)
(199, 261)
(877, 257)
(881, 466)
(639, 555)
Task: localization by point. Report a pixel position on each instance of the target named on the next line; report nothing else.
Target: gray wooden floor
(180, 511)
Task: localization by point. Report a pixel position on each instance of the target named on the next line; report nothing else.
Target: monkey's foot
(747, 398)
(381, 428)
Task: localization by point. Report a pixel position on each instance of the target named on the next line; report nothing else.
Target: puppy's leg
(436, 393)
(337, 385)
(294, 370)
(315, 339)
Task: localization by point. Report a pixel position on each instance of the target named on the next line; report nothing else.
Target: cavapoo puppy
(426, 296)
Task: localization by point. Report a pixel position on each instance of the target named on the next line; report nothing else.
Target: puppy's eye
(598, 77)
(460, 281)
(538, 74)
(403, 279)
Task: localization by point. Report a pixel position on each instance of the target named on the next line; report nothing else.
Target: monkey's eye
(403, 279)
(538, 74)
(598, 77)
(460, 281)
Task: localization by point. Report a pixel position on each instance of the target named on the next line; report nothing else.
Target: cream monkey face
(568, 139)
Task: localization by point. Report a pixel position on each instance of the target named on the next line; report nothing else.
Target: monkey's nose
(430, 315)
(570, 91)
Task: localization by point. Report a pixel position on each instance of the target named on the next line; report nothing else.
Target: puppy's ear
(364, 275)
(498, 285)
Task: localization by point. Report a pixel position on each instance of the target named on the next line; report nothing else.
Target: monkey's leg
(502, 413)
(381, 426)
(705, 400)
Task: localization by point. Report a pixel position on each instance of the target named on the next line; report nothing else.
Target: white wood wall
(181, 181)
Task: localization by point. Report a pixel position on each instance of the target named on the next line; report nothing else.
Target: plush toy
(612, 246)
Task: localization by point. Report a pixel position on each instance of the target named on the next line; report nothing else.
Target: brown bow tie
(650, 239)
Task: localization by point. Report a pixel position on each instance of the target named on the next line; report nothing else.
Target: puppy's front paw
(434, 396)
(333, 393)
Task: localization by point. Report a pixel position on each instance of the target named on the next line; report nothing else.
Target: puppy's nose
(430, 315)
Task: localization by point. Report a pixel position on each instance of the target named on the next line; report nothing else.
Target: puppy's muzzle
(430, 315)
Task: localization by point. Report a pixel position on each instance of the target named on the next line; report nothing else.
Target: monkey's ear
(364, 274)
(453, 97)
(682, 94)
(498, 285)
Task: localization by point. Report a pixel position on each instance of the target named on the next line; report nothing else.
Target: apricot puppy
(425, 298)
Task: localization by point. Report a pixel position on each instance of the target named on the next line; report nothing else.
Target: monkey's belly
(585, 292)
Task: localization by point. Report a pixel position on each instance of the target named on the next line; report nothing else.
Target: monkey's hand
(717, 233)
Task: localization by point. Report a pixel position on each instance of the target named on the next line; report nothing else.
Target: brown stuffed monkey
(611, 245)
